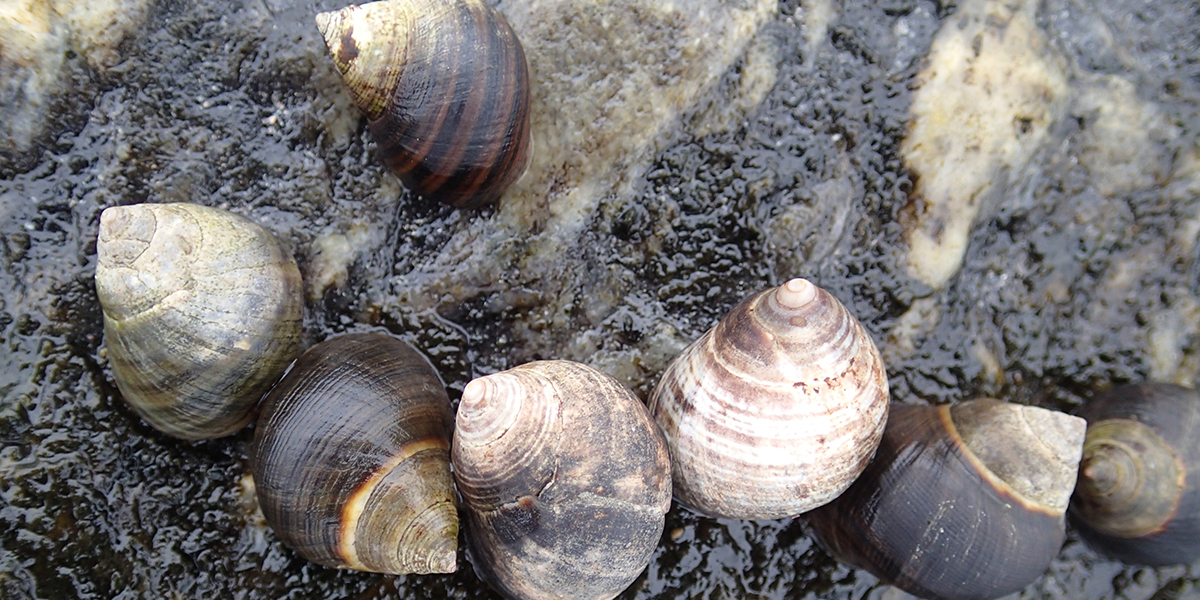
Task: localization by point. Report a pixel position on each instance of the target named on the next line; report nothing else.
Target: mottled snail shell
(445, 88)
(351, 458)
(1137, 499)
(565, 478)
(776, 409)
(202, 314)
(960, 502)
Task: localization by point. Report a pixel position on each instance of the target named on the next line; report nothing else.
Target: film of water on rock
(563, 299)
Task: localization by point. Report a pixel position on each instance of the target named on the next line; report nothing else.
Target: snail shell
(351, 458)
(1137, 500)
(445, 89)
(202, 314)
(776, 409)
(565, 478)
(960, 502)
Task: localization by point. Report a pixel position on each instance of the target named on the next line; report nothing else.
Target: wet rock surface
(778, 154)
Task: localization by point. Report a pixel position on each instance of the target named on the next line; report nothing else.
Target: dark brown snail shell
(351, 458)
(776, 409)
(202, 314)
(445, 88)
(1137, 499)
(960, 502)
(565, 478)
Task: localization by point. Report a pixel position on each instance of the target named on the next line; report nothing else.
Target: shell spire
(355, 36)
(776, 409)
(1137, 499)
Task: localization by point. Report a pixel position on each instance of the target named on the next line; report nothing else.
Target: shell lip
(999, 485)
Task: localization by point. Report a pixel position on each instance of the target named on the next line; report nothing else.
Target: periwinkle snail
(445, 88)
(776, 409)
(960, 502)
(351, 458)
(1137, 499)
(202, 312)
(565, 478)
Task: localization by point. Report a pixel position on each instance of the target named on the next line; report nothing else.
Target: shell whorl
(776, 409)
(1118, 494)
(351, 458)
(567, 499)
(202, 314)
(445, 88)
(1137, 499)
(508, 422)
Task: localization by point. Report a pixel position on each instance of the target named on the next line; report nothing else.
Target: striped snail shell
(202, 314)
(776, 409)
(960, 502)
(445, 89)
(565, 478)
(351, 458)
(1137, 499)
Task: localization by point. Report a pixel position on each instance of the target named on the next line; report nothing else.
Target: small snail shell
(960, 502)
(776, 409)
(1137, 499)
(445, 88)
(202, 313)
(351, 458)
(565, 478)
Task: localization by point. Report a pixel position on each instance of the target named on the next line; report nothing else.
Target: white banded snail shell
(202, 314)
(351, 458)
(445, 88)
(962, 502)
(776, 409)
(565, 478)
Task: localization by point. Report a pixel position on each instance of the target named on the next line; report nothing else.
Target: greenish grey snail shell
(565, 479)
(202, 314)
(351, 458)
